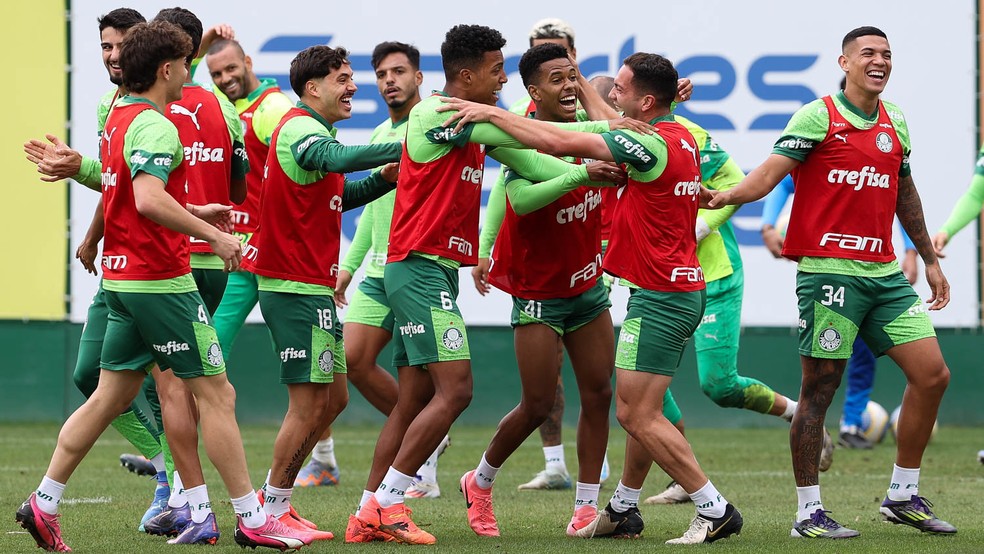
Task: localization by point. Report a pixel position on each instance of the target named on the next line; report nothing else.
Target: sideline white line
(96, 500)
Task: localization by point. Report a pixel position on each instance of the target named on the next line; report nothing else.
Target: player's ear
(842, 62)
(311, 87)
(418, 77)
(534, 93)
(248, 62)
(466, 75)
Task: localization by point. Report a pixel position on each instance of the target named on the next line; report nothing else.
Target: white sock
(199, 503)
(485, 474)
(178, 496)
(625, 498)
(790, 409)
(709, 501)
(808, 501)
(366, 495)
(276, 502)
(586, 494)
(554, 455)
(324, 452)
(428, 472)
(48, 495)
(393, 488)
(249, 510)
(158, 462)
(905, 483)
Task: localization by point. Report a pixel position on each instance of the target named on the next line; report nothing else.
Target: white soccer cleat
(423, 489)
(548, 480)
(674, 494)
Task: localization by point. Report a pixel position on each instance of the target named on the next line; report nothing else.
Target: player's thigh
(306, 336)
(656, 329)
(831, 309)
(428, 325)
(370, 305)
(87, 365)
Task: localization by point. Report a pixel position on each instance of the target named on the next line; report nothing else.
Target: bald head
(604, 84)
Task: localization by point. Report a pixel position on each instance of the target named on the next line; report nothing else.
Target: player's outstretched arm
(908, 208)
(967, 209)
(57, 160)
(759, 182)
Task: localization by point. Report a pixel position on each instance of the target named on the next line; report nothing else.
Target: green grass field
(751, 467)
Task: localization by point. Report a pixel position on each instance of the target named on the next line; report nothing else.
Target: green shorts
(427, 325)
(93, 332)
(563, 315)
(172, 329)
(306, 335)
(721, 323)
(211, 285)
(834, 309)
(656, 329)
(369, 305)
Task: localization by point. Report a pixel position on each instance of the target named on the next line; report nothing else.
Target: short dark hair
(465, 46)
(862, 32)
(222, 43)
(145, 47)
(384, 49)
(529, 64)
(120, 19)
(188, 22)
(653, 74)
(314, 62)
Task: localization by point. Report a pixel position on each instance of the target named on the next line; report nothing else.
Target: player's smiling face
(624, 94)
(555, 91)
(868, 63)
(109, 42)
(228, 70)
(397, 80)
(335, 92)
(488, 78)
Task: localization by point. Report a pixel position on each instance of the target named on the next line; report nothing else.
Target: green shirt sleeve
(724, 178)
(268, 114)
(152, 145)
(535, 166)
(644, 155)
(90, 173)
(361, 241)
(314, 149)
(495, 213)
(361, 192)
(526, 196)
(968, 208)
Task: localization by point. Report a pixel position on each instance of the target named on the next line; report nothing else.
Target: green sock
(135, 430)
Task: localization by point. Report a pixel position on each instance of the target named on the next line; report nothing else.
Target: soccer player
(434, 232)
(151, 295)
(653, 250)
(294, 254)
(133, 424)
(554, 297)
(846, 150)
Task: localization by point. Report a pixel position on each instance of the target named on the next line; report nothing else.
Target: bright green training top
(805, 130)
(968, 207)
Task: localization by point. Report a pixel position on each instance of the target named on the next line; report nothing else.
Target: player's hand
(86, 253)
(480, 274)
(55, 159)
(341, 284)
(465, 112)
(940, 241)
(705, 196)
(910, 266)
(938, 285)
(212, 34)
(716, 199)
(228, 248)
(390, 172)
(685, 90)
(772, 240)
(219, 215)
(606, 173)
(630, 124)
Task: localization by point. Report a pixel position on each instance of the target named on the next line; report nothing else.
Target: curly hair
(465, 46)
(529, 64)
(145, 47)
(187, 21)
(315, 62)
(653, 74)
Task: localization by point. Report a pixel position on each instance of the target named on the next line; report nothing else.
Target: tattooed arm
(908, 207)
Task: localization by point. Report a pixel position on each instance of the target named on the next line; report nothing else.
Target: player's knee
(724, 394)
(933, 378)
(84, 383)
(536, 410)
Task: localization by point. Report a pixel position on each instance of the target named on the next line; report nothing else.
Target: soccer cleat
(206, 532)
(827, 452)
(851, 437)
(548, 480)
(423, 489)
(170, 522)
(314, 534)
(674, 494)
(709, 529)
(271, 534)
(317, 474)
(137, 464)
(980, 456)
(582, 517)
(42, 526)
(616, 525)
(158, 505)
(293, 513)
(915, 512)
(821, 526)
(481, 516)
(393, 521)
(357, 531)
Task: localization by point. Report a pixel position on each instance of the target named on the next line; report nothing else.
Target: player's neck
(252, 83)
(156, 94)
(863, 100)
(401, 113)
